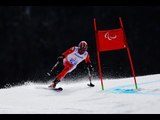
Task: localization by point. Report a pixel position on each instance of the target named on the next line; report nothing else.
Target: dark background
(32, 37)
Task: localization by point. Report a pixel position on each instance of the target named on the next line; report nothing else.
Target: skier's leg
(67, 68)
(62, 74)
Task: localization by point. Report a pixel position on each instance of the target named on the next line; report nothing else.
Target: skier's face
(81, 51)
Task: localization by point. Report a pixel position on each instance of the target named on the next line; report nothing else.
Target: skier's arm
(67, 52)
(64, 54)
(88, 62)
(89, 68)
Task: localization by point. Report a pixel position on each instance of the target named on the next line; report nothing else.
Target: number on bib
(72, 61)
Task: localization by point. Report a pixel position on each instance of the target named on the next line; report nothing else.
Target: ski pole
(49, 73)
(55, 66)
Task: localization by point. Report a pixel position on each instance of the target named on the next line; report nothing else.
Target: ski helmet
(83, 45)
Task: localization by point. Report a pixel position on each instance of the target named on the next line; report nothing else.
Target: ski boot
(54, 83)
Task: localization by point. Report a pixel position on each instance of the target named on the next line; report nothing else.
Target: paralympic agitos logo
(107, 36)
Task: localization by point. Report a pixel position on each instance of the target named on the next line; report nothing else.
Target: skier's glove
(60, 58)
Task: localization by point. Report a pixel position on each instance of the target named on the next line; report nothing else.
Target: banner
(110, 39)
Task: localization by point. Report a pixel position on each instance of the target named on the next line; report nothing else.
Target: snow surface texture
(119, 97)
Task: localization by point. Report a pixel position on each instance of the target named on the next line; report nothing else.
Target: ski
(57, 89)
(90, 85)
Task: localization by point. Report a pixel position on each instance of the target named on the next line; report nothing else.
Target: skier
(71, 58)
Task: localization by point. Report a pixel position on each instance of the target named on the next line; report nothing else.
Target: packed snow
(118, 97)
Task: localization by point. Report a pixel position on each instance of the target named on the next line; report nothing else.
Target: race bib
(73, 61)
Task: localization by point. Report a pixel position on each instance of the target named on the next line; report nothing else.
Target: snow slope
(119, 97)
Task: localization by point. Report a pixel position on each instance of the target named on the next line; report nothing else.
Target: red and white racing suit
(71, 60)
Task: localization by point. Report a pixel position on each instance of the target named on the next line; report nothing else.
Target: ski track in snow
(118, 97)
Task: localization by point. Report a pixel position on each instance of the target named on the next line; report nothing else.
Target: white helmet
(83, 45)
